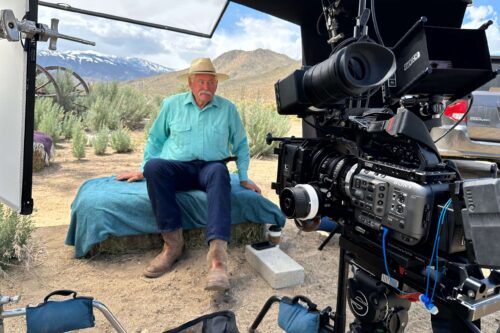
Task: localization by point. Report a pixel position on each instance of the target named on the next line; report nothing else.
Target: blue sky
(240, 28)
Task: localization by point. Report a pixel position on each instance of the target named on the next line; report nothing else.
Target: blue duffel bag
(60, 316)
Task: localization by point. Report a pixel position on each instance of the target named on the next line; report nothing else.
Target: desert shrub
(69, 121)
(15, 233)
(120, 140)
(48, 118)
(70, 100)
(111, 105)
(41, 107)
(102, 114)
(78, 141)
(100, 141)
(156, 101)
(260, 119)
(102, 90)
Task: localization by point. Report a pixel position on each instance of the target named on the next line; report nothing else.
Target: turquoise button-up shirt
(183, 132)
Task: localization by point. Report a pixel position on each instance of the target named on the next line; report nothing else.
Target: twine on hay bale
(241, 234)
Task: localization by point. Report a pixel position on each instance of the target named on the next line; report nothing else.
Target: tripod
(376, 306)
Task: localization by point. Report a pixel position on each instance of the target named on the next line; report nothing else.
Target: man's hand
(250, 186)
(134, 176)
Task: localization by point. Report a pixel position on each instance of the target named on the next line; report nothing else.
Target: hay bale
(241, 234)
(40, 158)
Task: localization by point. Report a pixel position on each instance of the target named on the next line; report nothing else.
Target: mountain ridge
(94, 66)
(252, 74)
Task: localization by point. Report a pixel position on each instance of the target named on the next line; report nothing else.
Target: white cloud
(475, 16)
(269, 33)
(174, 49)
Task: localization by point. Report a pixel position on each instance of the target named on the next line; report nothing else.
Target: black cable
(317, 23)
(459, 121)
(375, 24)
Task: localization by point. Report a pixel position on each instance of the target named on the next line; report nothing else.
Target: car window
(493, 85)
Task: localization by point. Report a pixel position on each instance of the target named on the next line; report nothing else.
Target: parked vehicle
(478, 135)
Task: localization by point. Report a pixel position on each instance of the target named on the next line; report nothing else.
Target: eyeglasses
(210, 83)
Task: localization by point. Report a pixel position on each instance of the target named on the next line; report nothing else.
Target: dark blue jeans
(165, 177)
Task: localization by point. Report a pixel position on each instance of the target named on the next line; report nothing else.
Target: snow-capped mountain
(99, 67)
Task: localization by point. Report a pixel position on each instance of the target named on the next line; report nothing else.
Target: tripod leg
(327, 239)
(340, 312)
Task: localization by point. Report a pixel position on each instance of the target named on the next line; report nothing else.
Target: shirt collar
(190, 99)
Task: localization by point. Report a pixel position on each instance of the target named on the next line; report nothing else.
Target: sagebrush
(112, 105)
(15, 234)
(72, 98)
(120, 140)
(260, 118)
(78, 142)
(101, 114)
(150, 119)
(48, 117)
(100, 141)
(69, 121)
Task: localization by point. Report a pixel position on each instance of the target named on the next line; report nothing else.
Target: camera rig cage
(410, 226)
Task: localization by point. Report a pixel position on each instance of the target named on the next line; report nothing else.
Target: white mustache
(205, 92)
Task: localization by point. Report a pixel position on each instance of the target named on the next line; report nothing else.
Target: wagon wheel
(73, 88)
(46, 86)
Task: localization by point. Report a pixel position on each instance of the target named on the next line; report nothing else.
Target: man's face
(203, 87)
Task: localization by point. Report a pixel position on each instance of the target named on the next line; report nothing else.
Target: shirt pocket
(180, 134)
(218, 138)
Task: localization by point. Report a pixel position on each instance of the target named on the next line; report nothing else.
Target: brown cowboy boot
(218, 279)
(172, 251)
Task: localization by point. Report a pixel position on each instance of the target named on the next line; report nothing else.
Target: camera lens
(357, 68)
(299, 202)
(351, 71)
(288, 203)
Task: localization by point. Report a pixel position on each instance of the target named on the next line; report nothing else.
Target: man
(188, 146)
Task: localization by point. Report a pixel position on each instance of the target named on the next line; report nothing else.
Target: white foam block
(275, 266)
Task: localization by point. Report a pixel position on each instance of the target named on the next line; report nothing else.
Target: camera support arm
(10, 28)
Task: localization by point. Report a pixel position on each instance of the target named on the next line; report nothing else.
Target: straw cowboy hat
(203, 66)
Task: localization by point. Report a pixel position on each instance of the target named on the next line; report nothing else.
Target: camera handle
(361, 27)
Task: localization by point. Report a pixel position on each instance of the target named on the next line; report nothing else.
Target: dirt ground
(144, 305)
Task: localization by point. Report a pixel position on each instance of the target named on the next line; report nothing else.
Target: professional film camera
(411, 228)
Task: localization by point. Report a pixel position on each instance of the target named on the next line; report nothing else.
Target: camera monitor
(16, 114)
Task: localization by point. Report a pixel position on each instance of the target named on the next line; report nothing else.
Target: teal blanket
(105, 206)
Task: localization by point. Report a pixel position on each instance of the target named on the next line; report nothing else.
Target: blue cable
(438, 230)
(445, 210)
(435, 252)
(385, 232)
